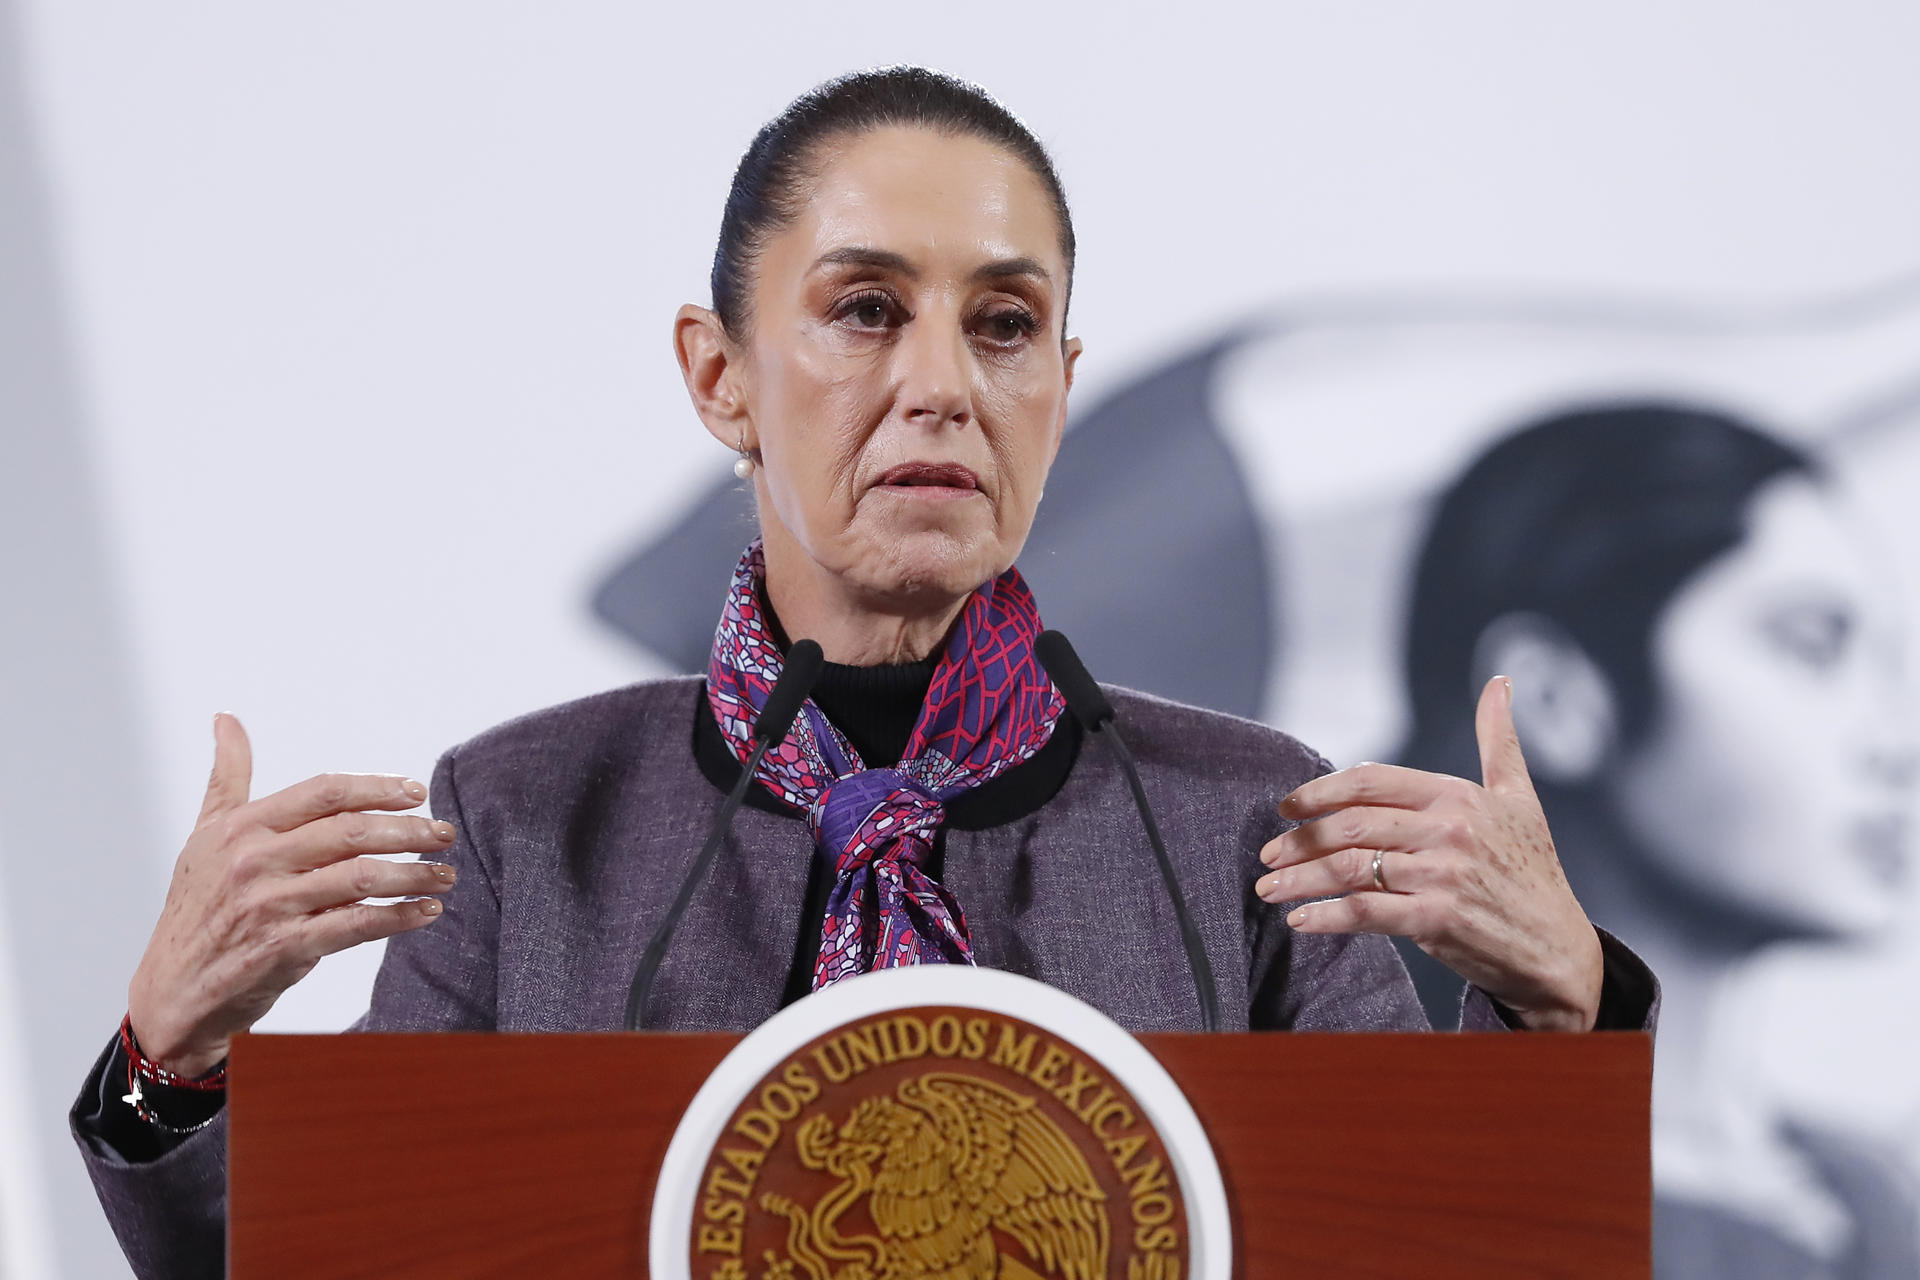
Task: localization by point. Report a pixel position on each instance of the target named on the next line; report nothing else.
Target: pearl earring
(743, 465)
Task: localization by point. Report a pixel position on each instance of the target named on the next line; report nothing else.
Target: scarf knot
(866, 814)
(989, 707)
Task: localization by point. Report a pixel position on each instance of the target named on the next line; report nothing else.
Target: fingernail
(415, 789)
(429, 906)
(444, 872)
(444, 830)
(1298, 918)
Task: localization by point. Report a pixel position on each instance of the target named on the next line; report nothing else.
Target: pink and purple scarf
(990, 707)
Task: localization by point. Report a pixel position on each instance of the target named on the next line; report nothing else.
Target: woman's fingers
(366, 877)
(349, 926)
(1390, 913)
(1387, 785)
(263, 888)
(1469, 872)
(343, 835)
(1350, 871)
(1364, 826)
(331, 793)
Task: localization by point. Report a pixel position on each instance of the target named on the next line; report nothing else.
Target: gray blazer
(577, 823)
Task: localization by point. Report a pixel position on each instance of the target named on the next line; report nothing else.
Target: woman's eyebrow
(898, 264)
(859, 256)
(1001, 268)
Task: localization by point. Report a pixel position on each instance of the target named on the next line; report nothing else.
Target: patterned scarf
(990, 706)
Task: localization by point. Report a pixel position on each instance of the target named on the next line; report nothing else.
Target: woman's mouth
(928, 481)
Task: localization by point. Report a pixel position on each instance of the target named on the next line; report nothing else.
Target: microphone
(1095, 713)
(796, 680)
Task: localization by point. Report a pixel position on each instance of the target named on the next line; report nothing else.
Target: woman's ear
(1564, 706)
(1071, 356)
(711, 366)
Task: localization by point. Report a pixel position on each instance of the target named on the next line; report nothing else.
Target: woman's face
(904, 370)
(1777, 777)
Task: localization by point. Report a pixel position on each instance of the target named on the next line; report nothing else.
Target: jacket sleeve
(166, 1195)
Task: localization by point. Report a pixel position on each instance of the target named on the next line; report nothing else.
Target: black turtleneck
(877, 707)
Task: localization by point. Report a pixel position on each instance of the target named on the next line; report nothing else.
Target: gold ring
(1379, 880)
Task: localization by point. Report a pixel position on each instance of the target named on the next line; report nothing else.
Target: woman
(1710, 702)
(887, 354)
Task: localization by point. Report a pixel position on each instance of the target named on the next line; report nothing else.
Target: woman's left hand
(1468, 872)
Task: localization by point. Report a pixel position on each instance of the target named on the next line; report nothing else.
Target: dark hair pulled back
(1593, 519)
(768, 189)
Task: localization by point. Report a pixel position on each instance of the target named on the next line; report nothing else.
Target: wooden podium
(1343, 1155)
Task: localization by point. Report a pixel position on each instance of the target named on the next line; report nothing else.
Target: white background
(365, 312)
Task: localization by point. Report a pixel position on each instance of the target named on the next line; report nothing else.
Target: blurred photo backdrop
(336, 392)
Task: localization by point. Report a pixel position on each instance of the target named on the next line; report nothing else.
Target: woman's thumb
(232, 776)
(1502, 765)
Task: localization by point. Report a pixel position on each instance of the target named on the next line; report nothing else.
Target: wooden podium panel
(1344, 1154)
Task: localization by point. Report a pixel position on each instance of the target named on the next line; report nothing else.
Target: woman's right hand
(264, 888)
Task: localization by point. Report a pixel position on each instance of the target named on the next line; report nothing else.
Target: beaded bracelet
(142, 1071)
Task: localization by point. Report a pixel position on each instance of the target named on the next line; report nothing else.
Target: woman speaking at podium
(887, 355)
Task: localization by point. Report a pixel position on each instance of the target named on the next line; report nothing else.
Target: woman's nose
(936, 382)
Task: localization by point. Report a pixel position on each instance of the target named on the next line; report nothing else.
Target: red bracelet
(138, 1064)
(142, 1070)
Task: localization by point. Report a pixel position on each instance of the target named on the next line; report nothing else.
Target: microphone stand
(1092, 709)
(797, 675)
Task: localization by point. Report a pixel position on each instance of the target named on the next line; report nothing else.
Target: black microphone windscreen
(796, 681)
(1089, 706)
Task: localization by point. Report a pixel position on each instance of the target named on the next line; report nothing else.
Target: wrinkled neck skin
(853, 626)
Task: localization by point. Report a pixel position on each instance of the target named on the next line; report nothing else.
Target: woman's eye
(1817, 635)
(868, 311)
(1009, 327)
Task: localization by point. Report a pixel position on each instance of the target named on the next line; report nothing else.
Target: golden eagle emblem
(942, 1165)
